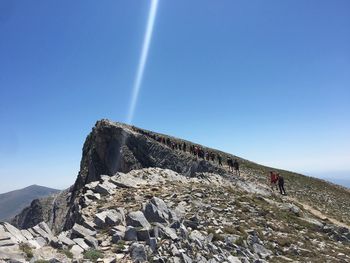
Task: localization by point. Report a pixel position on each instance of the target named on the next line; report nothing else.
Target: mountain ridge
(127, 173)
(12, 202)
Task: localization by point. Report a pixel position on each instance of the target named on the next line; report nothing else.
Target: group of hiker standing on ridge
(275, 179)
(195, 150)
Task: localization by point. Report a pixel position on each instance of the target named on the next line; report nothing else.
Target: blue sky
(266, 80)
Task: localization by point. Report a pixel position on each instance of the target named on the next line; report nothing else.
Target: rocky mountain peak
(143, 196)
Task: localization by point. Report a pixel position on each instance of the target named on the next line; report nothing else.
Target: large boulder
(137, 219)
(110, 218)
(157, 211)
(138, 253)
(15, 233)
(80, 231)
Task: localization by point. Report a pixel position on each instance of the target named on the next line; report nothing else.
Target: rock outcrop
(139, 198)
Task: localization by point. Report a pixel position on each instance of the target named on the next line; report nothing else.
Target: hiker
(207, 156)
(236, 167)
(230, 164)
(201, 153)
(219, 159)
(195, 150)
(184, 147)
(281, 184)
(212, 156)
(273, 180)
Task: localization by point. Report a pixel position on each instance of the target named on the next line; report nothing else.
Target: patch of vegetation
(120, 246)
(216, 236)
(67, 253)
(27, 250)
(240, 241)
(229, 230)
(41, 261)
(284, 241)
(93, 255)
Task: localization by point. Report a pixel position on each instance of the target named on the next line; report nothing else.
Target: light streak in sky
(143, 59)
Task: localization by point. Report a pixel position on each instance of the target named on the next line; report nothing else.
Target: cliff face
(113, 147)
(52, 210)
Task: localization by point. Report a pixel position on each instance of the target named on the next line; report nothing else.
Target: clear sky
(266, 80)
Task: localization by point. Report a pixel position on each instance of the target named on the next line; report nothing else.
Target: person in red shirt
(273, 180)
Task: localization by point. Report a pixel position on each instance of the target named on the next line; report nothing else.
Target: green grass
(93, 255)
(67, 253)
(27, 250)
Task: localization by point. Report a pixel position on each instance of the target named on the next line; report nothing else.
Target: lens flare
(143, 59)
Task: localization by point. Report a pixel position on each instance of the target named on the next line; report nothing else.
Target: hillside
(142, 196)
(13, 202)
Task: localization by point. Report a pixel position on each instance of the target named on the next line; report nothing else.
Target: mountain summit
(13, 202)
(143, 196)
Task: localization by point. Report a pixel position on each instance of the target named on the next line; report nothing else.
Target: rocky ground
(158, 215)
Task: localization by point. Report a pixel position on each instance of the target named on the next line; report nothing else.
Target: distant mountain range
(340, 181)
(13, 202)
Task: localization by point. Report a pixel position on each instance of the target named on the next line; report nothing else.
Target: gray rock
(110, 218)
(114, 217)
(6, 240)
(137, 219)
(105, 188)
(30, 230)
(138, 253)
(261, 251)
(45, 227)
(65, 240)
(168, 233)
(89, 225)
(157, 211)
(41, 232)
(183, 232)
(130, 234)
(152, 242)
(77, 251)
(291, 208)
(232, 259)
(91, 186)
(100, 219)
(118, 233)
(185, 258)
(93, 196)
(55, 243)
(142, 234)
(196, 235)
(81, 243)
(41, 241)
(123, 181)
(174, 251)
(91, 241)
(231, 239)
(80, 231)
(27, 234)
(118, 236)
(175, 260)
(14, 232)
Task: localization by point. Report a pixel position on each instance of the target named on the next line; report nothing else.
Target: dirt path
(318, 213)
